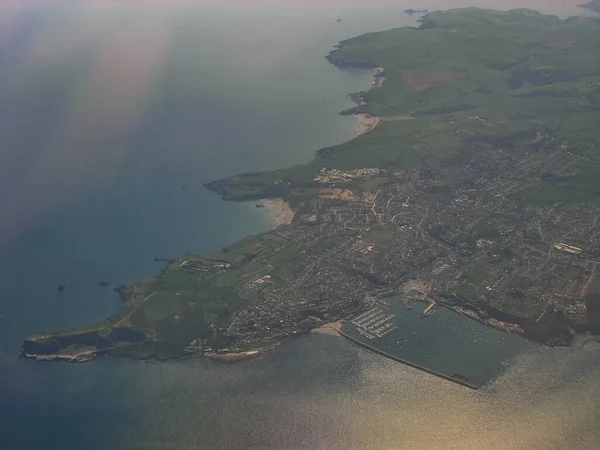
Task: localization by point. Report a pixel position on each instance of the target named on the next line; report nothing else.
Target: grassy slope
(486, 54)
(174, 308)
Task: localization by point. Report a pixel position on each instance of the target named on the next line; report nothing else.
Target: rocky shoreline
(76, 358)
(234, 356)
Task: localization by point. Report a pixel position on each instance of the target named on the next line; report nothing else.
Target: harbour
(455, 377)
(436, 340)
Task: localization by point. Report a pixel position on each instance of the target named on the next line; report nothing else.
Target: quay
(429, 310)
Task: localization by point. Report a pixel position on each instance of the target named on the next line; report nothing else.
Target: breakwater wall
(408, 363)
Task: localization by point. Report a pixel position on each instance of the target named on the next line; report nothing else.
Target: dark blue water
(112, 119)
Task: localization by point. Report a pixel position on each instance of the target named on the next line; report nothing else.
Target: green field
(581, 187)
(465, 76)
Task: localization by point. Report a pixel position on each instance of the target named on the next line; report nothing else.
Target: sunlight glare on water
(322, 393)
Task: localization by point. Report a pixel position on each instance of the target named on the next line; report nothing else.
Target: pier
(429, 310)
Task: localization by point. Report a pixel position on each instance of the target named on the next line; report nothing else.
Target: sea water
(113, 117)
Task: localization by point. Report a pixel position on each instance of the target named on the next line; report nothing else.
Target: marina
(375, 323)
(437, 340)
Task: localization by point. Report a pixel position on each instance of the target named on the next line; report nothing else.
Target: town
(476, 190)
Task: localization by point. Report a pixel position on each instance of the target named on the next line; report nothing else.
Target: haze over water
(107, 113)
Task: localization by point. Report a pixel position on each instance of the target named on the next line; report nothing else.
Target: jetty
(429, 310)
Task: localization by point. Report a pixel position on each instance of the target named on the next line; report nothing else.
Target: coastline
(508, 327)
(280, 210)
(234, 357)
(284, 215)
(75, 358)
(366, 122)
(329, 329)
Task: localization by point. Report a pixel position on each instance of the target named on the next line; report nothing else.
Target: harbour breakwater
(457, 378)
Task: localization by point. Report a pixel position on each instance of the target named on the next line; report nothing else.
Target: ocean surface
(112, 117)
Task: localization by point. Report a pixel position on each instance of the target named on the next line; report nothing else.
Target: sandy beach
(366, 122)
(281, 211)
(330, 329)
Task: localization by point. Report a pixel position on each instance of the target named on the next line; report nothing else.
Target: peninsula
(477, 190)
(594, 5)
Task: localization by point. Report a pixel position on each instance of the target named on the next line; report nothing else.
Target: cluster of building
(335, 176)
(568, 248)
(475, 245)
